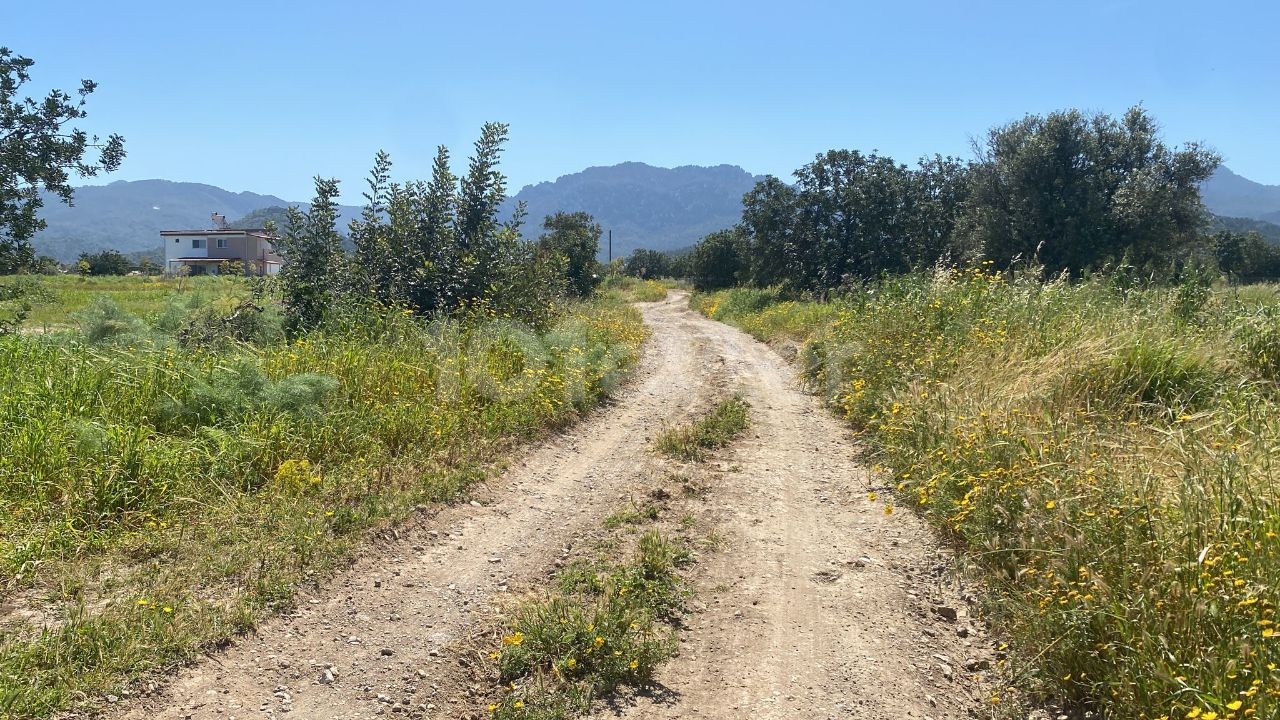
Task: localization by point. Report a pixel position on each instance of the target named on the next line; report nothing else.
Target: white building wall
(179, 246)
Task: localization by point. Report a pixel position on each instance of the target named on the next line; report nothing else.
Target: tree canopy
(39, 151)
(1065, 191)
(575, 237)
(434, 248)
(1076, 192)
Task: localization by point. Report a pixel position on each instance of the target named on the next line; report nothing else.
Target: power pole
(610, 247)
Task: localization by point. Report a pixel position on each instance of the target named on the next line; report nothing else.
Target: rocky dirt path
(818, 605)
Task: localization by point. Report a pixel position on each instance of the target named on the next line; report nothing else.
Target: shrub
(105, 322)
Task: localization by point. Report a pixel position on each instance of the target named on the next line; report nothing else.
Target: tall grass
(631, 289)
(1104, 454)
(157, 497)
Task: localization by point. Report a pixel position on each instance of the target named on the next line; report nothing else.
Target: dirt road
(819, 605)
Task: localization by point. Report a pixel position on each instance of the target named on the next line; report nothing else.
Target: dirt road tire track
(792, 628)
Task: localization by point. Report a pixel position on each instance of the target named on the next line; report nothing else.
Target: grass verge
(1105, 454)
(63, 296)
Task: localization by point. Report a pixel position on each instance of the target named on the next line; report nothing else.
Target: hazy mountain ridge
(645, 206)
(1269, 231)
(1231, 195)
(129, 215)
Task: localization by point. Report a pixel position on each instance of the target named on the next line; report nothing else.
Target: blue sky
(262, 96)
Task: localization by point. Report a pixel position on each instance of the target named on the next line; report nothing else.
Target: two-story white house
(209, 252)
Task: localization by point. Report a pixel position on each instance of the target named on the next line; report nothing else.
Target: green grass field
(162, 488)
(1105, 455)
(143, 297)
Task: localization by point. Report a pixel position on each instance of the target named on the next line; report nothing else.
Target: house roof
(253, 232)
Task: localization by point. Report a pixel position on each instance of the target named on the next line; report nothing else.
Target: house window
(198, 243)
(222, 243)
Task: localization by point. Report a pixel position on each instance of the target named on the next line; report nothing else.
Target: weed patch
(629, 289)
(602, 630)
(691, 442)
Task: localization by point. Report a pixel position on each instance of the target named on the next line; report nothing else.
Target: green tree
(769, 223)
(851, 216)
(576, 237)
(481, 247)
(719, 260)
(377, 264)
(432, 248)
(39, 150)
(312, 279)
(1076, 192)
(107, 262)
(1246, 257)
(642, 263)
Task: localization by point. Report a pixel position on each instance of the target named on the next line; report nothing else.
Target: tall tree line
(1065, 192)
(435, 247)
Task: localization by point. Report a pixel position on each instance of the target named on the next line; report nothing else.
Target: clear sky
(263, 95)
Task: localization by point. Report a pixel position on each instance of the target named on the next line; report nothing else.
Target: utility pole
(610, 247)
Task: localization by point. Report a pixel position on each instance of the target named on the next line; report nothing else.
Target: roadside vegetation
(177, 456)
(1048, 358)
(157, 499)
(1103, 450)
(630, 289)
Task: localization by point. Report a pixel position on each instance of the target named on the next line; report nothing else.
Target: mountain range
(1231, 195)
(645, 206)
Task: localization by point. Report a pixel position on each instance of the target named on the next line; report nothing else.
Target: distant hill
(1269, 231)
(1230, 195)
(645, 206)
(129, 215)
(278, 214)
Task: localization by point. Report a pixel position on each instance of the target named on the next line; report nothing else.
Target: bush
(107, 262)
(104, 322)
(230, 321)
(231, 392)
(16, 299)
(719, 261)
